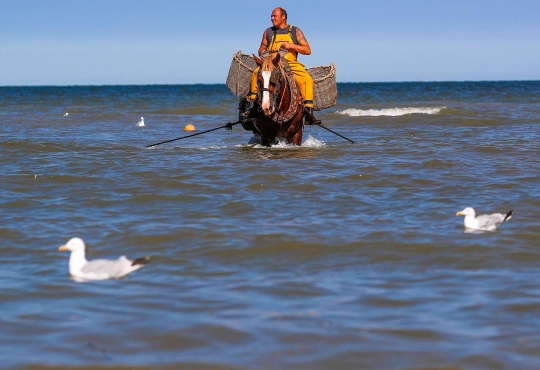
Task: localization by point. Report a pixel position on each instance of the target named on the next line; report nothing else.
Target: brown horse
(281, 107)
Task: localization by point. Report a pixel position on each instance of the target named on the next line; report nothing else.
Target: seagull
(140, 122)
(82, 270)
(65, 114)
(483, 222)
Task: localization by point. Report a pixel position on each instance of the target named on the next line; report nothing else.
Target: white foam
(310, 142)
(393, 112)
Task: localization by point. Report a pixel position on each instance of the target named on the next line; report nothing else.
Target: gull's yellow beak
(459, 214)
(62, 248)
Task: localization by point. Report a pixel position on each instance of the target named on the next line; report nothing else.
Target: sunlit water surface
(324, 256)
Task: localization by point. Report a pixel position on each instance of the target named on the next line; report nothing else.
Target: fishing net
(324, 77)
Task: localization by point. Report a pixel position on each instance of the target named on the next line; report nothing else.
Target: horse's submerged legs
(268, 128)
(265, 141)
(296, 129)
(271, 130)
(297, 138)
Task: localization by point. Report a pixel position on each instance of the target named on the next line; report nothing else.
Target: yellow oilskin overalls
(302, 77)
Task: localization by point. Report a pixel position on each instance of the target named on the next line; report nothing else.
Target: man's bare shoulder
(264, 42)
(300, 36)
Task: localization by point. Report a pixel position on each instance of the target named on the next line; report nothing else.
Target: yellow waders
(302, 77)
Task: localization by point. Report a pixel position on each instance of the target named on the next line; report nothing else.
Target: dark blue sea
(330, 255)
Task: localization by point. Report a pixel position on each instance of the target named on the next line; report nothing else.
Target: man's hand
(288, 46)
(302, 47)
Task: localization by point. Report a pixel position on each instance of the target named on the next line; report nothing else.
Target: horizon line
(224, 84)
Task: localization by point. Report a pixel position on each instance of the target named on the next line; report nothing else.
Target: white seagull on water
(483, 222)
(82, 270)
(140, 122)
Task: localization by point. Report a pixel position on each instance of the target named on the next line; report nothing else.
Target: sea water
(324, 256)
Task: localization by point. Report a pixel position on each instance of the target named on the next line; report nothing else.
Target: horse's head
(268, 78)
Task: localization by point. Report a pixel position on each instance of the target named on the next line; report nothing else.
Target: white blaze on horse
(268, 66)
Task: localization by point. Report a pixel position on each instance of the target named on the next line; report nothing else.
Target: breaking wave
(393, 112)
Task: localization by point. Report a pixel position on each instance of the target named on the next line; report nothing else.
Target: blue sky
(96, 42)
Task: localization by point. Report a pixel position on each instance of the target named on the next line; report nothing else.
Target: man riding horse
(291, 38)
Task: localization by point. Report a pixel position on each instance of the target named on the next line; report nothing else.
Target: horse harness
(280, 76)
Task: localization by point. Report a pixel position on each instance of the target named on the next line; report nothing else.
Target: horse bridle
(275, 82)
(274, 79)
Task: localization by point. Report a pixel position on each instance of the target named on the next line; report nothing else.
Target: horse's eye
(274, 76)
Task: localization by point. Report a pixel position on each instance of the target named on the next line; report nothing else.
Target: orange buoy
(189, 127)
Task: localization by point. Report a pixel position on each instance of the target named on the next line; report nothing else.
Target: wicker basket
(239, 77)
(324, 77)
(325, 89)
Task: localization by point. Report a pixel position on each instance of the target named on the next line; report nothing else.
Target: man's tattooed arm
(300, 37)
(264, 44)
(303, 45)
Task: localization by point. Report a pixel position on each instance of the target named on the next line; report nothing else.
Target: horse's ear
(257, 60)
(276, 59)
